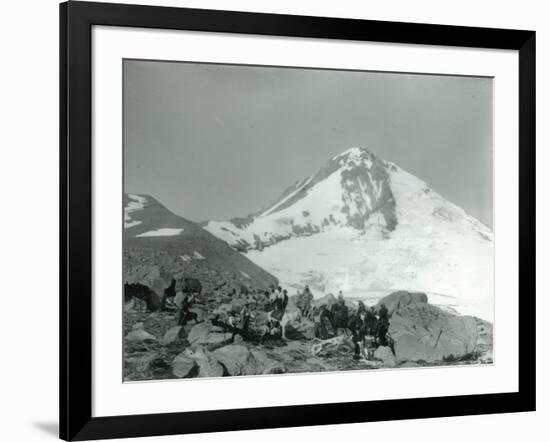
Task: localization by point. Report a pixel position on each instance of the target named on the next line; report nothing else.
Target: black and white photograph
(282, 220)
(243, 221)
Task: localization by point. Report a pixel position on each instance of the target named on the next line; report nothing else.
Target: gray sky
(219, 141)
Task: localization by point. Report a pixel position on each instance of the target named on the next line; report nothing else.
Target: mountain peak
(353, 152)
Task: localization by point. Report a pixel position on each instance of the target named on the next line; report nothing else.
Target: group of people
(277, 299)
(236, 323)
(368, 326)
(369, 329)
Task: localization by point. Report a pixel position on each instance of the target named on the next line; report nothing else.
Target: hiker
(357, 328)
(370, 321)
(285, 299)
(361, 308)
(382, 326)
(280, 299)
(323, 323)
(245, 322)
(307, 299)
(184, 313)
(232, 324)
(339, 312)
(273, 298)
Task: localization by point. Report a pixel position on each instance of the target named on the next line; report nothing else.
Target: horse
(142, 293)
(191, 285)
(287, 317)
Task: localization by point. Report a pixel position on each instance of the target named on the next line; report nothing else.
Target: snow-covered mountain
(365, 226)
(154, 236)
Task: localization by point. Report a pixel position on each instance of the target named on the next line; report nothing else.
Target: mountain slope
(367, 227)
(154, 236)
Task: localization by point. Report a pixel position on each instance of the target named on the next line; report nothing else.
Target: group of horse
(138, 293)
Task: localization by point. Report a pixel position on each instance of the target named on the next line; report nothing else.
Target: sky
(213, 141)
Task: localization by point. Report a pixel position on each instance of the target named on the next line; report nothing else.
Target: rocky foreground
(155, 347)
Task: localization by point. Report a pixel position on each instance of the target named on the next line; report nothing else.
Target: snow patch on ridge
(138, 203)
(161, 232)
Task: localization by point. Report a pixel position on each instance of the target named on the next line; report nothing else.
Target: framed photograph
(273, 220)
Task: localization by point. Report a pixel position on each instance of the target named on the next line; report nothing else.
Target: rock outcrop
(423, 332)
(385, 355)
(400, 299)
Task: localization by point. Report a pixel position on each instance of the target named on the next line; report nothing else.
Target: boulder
(409, 364)
(238, 339)
(203, 334)
(209, 367)
(385, 355)
(199, 333)
(269, 366)
(423, 332)
(300, 329)
(139, 335)
(400, 299)
(137, 365)
(174, 335)
(184, 367)
(326, 300)
(237, 360)
(159, 368)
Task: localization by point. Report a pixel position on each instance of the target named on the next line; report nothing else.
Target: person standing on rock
(340, 313)
(383, 325)
(273, 298)
(285, 299)
(357, 328)
(307, 303)
(280, 299)
(245, 322)
(370, 321)
(184, 313)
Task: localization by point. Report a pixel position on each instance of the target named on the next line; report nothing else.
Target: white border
(112, 397)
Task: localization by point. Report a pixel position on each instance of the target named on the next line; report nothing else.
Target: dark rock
(300, 329)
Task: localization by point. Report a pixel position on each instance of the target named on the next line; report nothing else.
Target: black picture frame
(76, 21)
